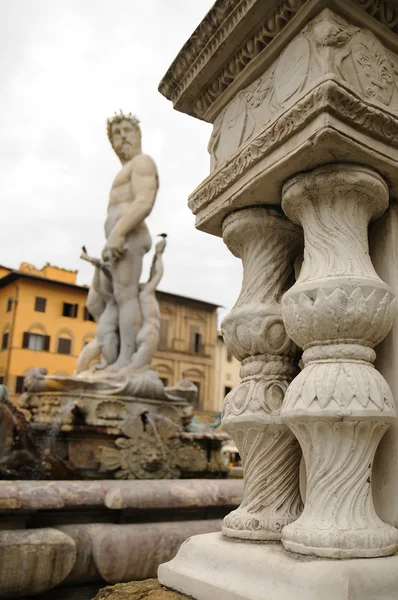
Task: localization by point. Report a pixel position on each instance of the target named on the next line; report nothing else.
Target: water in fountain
(56, 426)
(147, 418)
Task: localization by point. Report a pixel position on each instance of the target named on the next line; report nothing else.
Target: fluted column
(339, 406)
(254, 332)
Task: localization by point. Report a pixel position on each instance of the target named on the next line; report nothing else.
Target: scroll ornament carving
(383, 11)
(327, 96)
(267, 244)
(328, 46)
(358, 57)
(210, 35)
(274, 24)
(282, 14)
(339, 406)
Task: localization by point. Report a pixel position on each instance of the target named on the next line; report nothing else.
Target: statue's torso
(121, 197)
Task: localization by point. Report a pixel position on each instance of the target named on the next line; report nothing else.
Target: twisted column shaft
(254, 332)
(339, 406)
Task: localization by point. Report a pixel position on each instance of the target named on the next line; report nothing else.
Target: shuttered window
(87, 315)
(196, 340)
(64, 346)
(70, 310)
(4, 343)
(19, 384)
(36, 341)
(40, 304)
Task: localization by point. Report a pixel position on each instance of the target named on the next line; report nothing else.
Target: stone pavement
(139, 590)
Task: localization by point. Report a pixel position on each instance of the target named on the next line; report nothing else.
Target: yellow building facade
(227, 369)
(44, 323)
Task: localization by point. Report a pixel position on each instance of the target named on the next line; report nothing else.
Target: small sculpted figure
(148, 335)
(102, 306)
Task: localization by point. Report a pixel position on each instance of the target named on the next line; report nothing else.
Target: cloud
(65, 67)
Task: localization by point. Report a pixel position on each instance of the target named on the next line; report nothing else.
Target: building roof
(14, 275)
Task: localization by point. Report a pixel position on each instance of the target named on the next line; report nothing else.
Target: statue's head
(124, 134)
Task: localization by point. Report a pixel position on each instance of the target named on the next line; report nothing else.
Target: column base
(210, 566)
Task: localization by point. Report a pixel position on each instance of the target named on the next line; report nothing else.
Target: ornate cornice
(280, 16)
(217, 26)
(204, 41)
(327, 97)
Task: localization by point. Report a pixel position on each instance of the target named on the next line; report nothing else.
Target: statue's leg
(108, 332)
(95, 300)
(126, 274)
(90, 351)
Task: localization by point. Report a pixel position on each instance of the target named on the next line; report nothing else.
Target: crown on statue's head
(117, 118)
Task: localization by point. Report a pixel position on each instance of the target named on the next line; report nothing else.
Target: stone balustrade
(303, 98)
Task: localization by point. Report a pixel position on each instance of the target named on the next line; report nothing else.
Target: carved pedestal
(339, 406)
(291, 86)
(267, 244)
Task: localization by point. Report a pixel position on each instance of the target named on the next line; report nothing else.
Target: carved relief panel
(327, 48)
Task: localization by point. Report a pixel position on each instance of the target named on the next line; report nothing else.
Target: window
(64, 346)
(19, 384)
(4, 343)
(36, 341)
(165, 381)
(1, 380)
(229, 356)
(70, 310)
(87, 315)
(197, 343)
(40, 304)
(9, 304)
(227, 390)
(164, 334)
(196, 340)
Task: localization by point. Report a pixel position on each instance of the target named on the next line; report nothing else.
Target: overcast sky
(65, 67)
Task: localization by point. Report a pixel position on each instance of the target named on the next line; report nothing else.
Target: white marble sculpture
(116, 284)
(117, 360)
(303, 98)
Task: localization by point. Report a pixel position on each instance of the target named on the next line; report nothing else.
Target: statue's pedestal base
(210, 566)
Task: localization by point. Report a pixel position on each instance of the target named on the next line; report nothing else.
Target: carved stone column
(254, 332)
(339, 406)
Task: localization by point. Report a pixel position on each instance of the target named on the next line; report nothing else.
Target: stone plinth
(211, 566)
